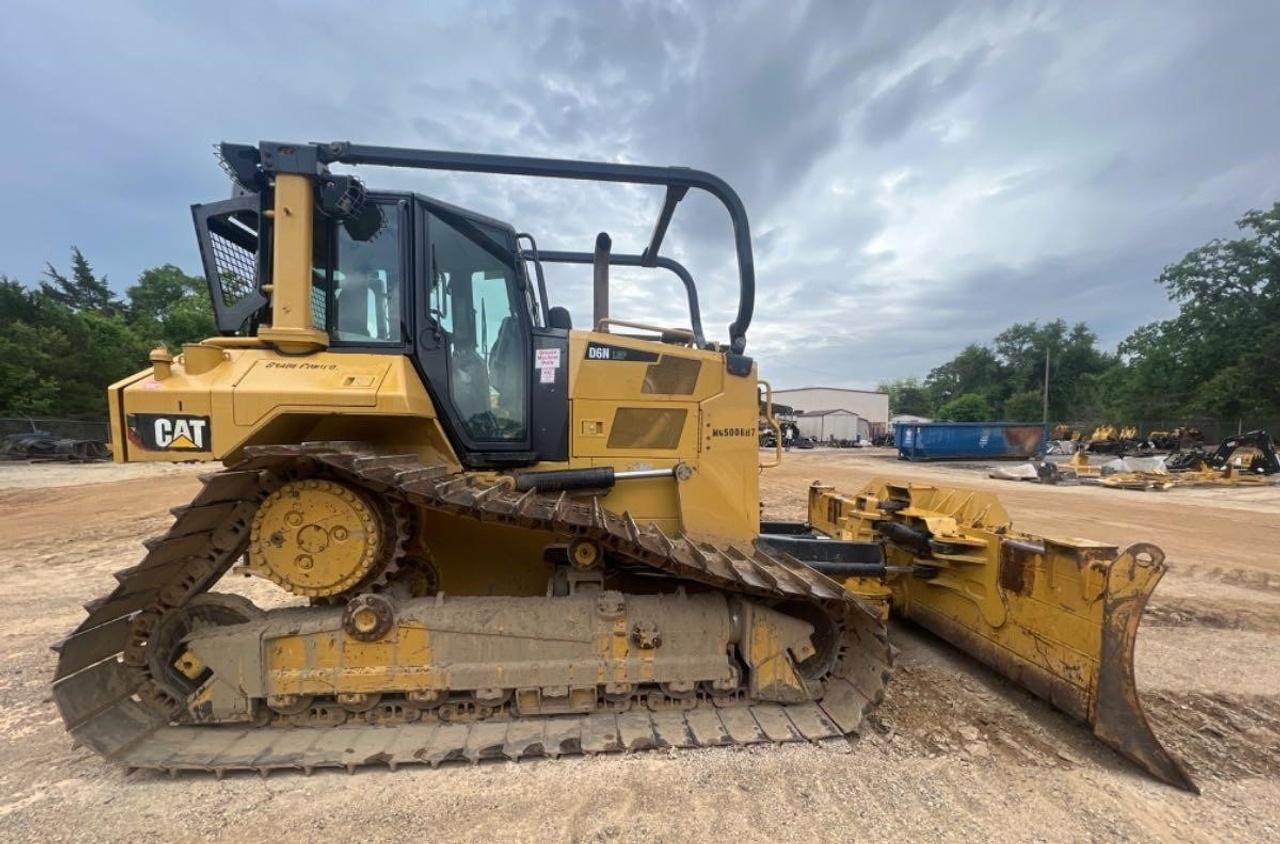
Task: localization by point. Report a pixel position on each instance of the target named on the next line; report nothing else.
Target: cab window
(360, 299)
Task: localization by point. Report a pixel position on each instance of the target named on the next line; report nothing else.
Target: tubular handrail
(773, 424)
(544, 305)
(615, 259)
(683, 333)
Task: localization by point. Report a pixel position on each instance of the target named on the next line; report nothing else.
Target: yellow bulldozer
(500, 536)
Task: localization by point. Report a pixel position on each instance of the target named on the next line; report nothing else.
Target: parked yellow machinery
(506, 537)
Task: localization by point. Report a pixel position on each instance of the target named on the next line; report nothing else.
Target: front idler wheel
(168, 665)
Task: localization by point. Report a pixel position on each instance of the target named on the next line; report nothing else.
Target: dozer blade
(1057, 616)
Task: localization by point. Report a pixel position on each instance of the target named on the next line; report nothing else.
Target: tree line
(64, 340)
(1218, 357)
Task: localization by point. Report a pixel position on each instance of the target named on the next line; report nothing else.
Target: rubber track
(95, 691)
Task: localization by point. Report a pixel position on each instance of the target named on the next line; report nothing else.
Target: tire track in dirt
(950, 708)
(1261, 581)
(1213, 614)
(1228, 736)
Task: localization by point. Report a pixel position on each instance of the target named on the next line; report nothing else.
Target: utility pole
(1045, 419)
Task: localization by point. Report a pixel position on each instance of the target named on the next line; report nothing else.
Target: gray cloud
(895, 110)
(918, 174)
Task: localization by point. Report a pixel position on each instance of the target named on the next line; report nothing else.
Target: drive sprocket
(320, 538)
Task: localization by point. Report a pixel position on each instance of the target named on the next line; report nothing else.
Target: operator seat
(507, 368)
(352, 305)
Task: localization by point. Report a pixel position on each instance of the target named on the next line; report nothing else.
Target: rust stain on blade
(1019, 562)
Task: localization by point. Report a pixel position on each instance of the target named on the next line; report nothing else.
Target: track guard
(1057, 616)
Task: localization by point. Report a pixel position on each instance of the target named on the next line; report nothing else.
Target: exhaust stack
(600, 280)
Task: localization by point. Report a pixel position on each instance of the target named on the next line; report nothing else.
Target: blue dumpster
(969, 440)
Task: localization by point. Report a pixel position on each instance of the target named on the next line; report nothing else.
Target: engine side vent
(647, 427)
(672, 375)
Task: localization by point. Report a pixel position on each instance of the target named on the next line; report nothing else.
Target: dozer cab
(502, 536)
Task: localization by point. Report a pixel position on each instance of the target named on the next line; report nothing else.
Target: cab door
(475, 344)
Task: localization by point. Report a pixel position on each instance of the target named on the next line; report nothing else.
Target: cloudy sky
(918, 175)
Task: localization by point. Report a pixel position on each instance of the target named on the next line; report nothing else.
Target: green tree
(970, 407)
(1219, 354)
(63, 342)
(28, 383)
(81, 352)
(82, 291)
(974, 370)
(17, 303)
(1074, 359)
(168, 306)
(907, 395)
(1009, 375)
(1026, 406)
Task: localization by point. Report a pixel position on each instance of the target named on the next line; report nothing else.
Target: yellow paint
(189, 665)
(315, 537)
(484, 558)
(874, 591)
(291, 255)
(1049, 608)
(720, 502)
(256, 395)
(765, 648)
(613, 645)
(771, 672)
(329, 381)
(592, 445)
(331, 662)
(623, 381)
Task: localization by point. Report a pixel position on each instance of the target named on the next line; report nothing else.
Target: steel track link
(100, 691)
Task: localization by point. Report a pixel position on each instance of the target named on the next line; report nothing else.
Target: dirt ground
(955, 754)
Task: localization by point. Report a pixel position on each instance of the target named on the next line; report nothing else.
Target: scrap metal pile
(42, 446)
(1122, 440)
(1248, 459)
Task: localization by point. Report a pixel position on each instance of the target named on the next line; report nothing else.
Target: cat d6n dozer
(495, 536)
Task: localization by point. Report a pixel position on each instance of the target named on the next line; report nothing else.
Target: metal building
(871, 406)
(839, 425)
